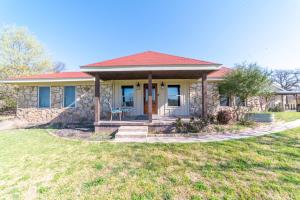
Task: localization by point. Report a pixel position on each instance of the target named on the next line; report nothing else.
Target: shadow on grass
(75, 126)
(270, 155)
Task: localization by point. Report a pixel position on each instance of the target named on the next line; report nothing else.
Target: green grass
(34, 164)
(287, 116)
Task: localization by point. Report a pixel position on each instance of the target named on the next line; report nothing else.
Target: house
(151, 86)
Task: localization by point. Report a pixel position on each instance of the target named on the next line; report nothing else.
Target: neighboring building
(180, 87)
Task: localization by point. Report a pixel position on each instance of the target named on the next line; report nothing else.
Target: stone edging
(220, 137)
(190, 139)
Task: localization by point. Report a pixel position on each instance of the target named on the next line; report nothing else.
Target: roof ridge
(119, 57)
(146, 57)
(182, 57)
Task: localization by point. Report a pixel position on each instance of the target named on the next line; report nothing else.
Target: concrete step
(144, 128)
(132, 132)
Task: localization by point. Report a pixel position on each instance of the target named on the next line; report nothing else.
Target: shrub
(276, 108)
(246, 122)
(180, 126)
(224, 116)
(212, 118)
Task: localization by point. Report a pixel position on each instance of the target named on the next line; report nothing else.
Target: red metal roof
(60, 75)
(220, 73)
(149, 58)
(73, 75)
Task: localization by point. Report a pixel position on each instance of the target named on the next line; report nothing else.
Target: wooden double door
(154, 98)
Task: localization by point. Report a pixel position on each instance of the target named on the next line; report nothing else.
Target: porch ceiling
(134, 75)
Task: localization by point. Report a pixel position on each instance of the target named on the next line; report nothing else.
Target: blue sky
(227, 32)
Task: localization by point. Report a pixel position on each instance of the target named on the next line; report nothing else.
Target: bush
(246, 122)
(180, 126)
(212, 118)
(224, 116)
(276, 108)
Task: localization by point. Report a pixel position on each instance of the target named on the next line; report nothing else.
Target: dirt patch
(12, 124)
(83, 134)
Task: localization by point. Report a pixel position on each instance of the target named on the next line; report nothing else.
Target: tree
(20, 54)
(59, 66)
(245, 81)
(287, 79)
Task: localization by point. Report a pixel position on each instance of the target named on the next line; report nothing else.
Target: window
(239, 101)
(69, 96)
(224, 100)
(44, 97)
(173, 95)
(127, 96)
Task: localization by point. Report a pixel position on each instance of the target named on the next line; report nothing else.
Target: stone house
(148, 88)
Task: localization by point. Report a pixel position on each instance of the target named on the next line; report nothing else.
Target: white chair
(114, 111)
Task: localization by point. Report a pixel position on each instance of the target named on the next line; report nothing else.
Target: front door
(154, 98)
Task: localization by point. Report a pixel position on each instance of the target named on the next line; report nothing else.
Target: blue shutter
(69, 96)
(44, 97)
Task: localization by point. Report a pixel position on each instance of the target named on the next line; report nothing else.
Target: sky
(229, 32)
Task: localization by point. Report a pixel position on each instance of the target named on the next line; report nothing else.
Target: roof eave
(129, 68)
(45, 80)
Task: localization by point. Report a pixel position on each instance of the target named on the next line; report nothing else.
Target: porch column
(297, 109)
(150, 97)
(204, 95)
(282, 104)
(97, 98)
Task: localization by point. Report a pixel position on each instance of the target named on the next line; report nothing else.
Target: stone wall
(82, 113)
(195, 91)
(253, 104)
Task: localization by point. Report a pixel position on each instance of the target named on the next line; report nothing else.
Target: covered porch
(152, 72)
(290, 100)
(150, 95)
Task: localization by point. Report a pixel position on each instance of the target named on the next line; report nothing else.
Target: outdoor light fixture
(162, 85)
(138, 85)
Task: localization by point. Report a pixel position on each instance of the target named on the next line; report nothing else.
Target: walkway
(211, 138)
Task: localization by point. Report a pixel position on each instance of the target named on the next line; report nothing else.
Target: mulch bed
(83, 134)
(74, 133)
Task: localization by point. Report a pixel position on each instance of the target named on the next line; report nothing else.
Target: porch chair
(114, 111)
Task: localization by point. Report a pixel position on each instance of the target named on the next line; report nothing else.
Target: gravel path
(211, 138)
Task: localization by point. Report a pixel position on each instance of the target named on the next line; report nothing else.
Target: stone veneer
(195, 91)
(84, 110)
(82, 113)
(253, 104)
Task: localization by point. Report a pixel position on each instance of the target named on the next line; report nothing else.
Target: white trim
(69, 80)
(38, 91)
(149, 68)
(180, 96)
(47, 80)
(134, 94)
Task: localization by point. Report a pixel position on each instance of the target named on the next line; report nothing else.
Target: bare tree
(287, 79)
(59, 66)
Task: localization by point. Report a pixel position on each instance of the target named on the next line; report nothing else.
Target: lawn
(287, 116)
(35, 164)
